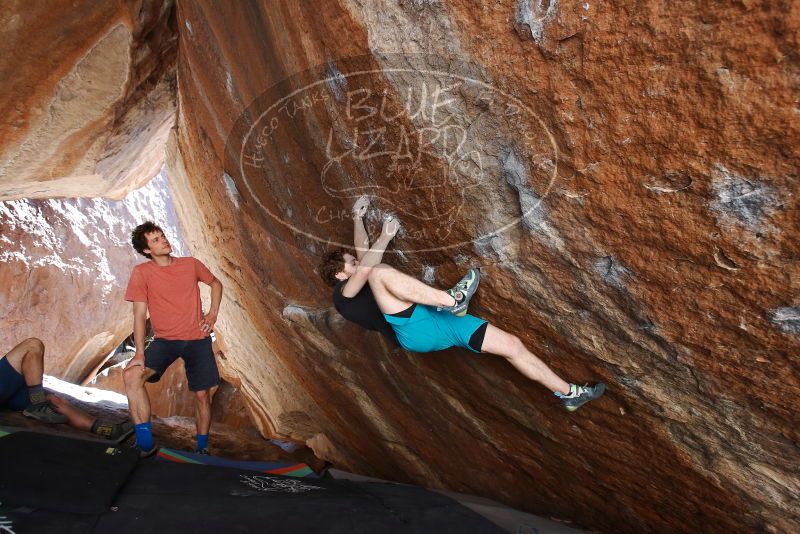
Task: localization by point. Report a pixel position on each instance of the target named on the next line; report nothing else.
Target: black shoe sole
(123, 436)
(148, 454)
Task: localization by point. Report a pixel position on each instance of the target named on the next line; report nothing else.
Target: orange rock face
(87, 96)
(625, 174)
(87, 92)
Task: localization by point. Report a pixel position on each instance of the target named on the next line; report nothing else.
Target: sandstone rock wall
(87, 92)
(626, 175)
(87, 96)
(647, 153)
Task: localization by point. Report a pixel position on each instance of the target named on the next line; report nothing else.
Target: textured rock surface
(65, 266)
(626, 174)
(654, 170)
(87, 96)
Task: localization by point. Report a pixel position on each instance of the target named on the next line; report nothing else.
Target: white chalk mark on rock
(231, 189)
(669, 183)
(722, 260)
(532, 16)
(787, 318)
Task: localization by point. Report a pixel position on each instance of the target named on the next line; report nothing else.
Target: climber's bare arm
(360, 237)
(371, 258)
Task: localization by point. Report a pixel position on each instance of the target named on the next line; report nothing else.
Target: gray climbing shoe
(45, 413)
(580, 395)
(463, 291)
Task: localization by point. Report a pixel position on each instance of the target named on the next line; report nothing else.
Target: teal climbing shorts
(428, 330)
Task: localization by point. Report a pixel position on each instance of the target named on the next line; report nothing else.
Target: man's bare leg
(76, 418)
(510, 347)
(27, 358)
(395, 291)
(203, 410)
(138, 401)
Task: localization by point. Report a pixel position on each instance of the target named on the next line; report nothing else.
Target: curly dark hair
(332, 262)
(139, 239)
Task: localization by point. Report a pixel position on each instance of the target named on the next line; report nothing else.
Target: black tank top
(363, 310)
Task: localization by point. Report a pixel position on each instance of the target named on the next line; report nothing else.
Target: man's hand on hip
(208, 322)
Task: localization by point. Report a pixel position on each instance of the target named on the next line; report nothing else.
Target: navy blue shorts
(198, 359)
(13, 391)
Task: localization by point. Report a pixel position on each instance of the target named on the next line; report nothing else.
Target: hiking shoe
(580, 395)
(463, 291)
(204, 451)
(45, 413)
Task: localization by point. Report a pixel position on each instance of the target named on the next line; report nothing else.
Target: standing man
(167, 287)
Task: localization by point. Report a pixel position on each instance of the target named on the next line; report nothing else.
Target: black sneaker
(463, 291)
(204, 451)
(580, 395)
(45, 413)
(146, 453)
(122, 431)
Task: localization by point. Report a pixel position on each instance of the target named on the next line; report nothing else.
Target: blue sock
(202, 441)
(144, 436)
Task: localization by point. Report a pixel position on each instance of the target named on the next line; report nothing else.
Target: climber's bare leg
(395, 291)
(509, 346)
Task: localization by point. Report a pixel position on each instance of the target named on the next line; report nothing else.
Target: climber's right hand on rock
(390, 226)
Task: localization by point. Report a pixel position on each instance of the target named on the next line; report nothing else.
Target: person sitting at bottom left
(21, 374)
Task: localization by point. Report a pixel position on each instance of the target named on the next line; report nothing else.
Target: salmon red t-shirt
(172, 296)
